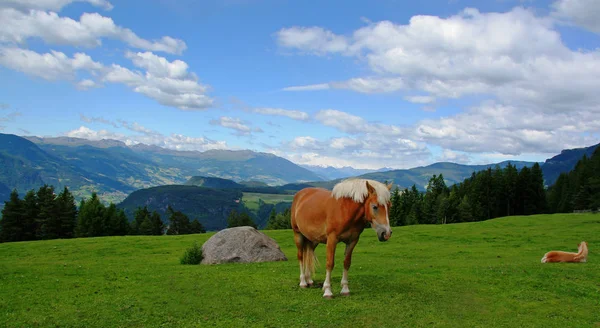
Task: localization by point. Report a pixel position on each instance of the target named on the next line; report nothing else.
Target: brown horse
(560, 256)
(340, 215)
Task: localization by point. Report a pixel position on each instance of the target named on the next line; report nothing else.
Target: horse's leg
(331, 244)
(308, 274)
(300, 240)
(347, 261)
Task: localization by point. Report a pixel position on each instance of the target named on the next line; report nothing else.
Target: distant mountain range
(115, 170)
(332, 173)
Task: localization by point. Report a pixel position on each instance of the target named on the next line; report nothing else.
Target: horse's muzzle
(384, 235)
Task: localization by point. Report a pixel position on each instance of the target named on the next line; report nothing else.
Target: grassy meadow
(251, 199)
(485, 274)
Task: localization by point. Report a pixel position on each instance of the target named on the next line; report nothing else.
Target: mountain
(331, 173)
(25, 166)
(564, 162)
(419, 176)
(113, 169)
(210, 206)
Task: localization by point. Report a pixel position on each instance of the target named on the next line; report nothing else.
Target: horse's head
(378, 214)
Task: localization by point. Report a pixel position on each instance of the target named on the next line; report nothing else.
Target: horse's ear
(390, 186)
(370, 188)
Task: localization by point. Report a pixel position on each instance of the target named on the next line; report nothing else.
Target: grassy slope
(484, 274)
(251, 199)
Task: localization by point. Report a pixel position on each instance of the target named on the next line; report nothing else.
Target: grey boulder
(241, 244)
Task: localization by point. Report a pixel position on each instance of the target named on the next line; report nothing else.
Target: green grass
(485, 274)
(251, 199)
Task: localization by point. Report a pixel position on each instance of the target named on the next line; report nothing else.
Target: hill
(113, 169)
(24, 166)
(332, 173)
(453, 173)
(210, 206)
(210, 182)
(483, 274)
(564, 162)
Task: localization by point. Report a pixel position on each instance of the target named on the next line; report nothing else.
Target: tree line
(578, 189)
(44, 215)
(485, 195)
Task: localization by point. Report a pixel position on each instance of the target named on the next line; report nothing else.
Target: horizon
(381, 169)
(391, 85)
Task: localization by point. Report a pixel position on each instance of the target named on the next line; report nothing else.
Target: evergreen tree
(395, 211)
(90, 221)
(140, 215)
(47, 219)
(236, 219)
(11, 228)
(179, 222)
(157, 225)
(66, 211)
(30, 213)
(280, 221)
(196, 227)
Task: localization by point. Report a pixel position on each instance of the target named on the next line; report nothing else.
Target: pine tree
(47, 219)
(179, 222)
(30, 213)
(140, 215)
(66, 211)
(157, 224)
(196, 227)
(91, 218)
(395, 212)
(11, 228)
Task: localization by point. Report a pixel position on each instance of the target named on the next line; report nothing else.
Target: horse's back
(309, 211)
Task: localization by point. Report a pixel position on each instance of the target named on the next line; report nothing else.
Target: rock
(241, 244)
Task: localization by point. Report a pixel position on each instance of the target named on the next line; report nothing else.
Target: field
(485, 274)
(251, 199)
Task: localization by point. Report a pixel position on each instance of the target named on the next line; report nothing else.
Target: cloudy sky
(379, 83)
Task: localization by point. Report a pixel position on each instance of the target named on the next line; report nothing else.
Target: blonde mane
(356, 189)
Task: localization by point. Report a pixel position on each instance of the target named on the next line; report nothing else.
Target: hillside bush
(192, 255)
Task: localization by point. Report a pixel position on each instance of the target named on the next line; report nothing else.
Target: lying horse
(560, 256)
(340, 215)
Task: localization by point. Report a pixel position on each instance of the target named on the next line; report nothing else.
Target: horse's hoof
(303, 287)
(328, 297)
(345, 294)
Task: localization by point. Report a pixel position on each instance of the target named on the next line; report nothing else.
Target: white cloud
(312, 87)
(365, 151)
(583, 13)
(315, 40)
(510, 130)
(293, 114)
(420, 99)
(17, 27)
(149, 137)
(102, 120)
(342, 121)
(235, 124)
(87, 84)
(455, 157)
(159, 66)
(54, 5)
(50, 66)
(172, 86)
(169, 83)
(517, 59)
(363, 85)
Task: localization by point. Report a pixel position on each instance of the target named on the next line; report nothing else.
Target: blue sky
(369, 84)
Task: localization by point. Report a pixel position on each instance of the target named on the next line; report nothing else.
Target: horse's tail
(309, 259)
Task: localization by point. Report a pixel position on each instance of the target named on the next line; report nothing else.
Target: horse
(560, 256)
(326, 216)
